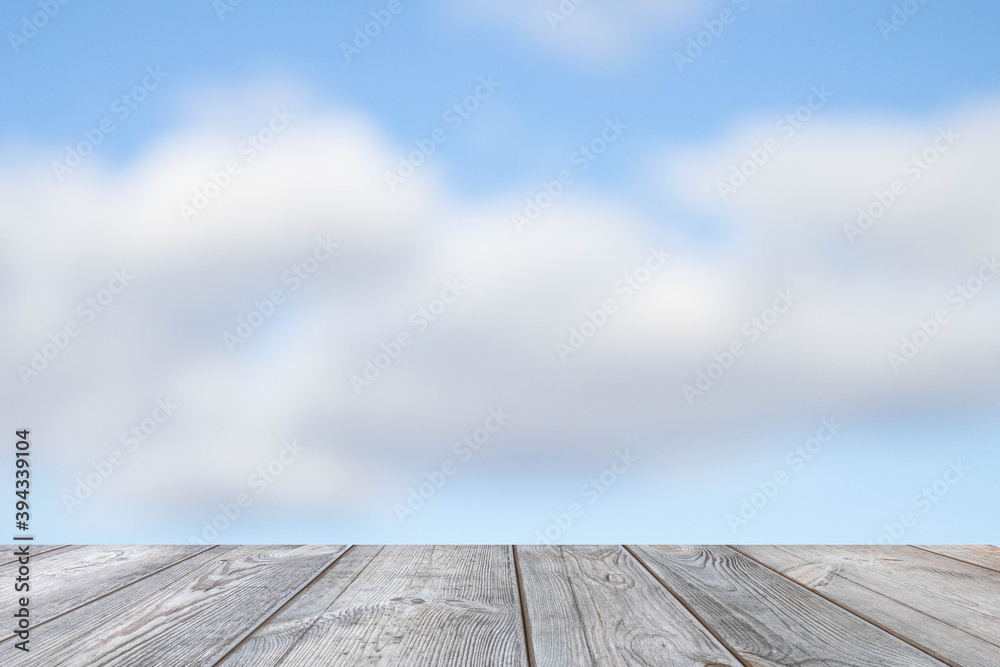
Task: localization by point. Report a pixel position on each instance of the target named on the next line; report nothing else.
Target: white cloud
(790, 219)
(495, 345)
(595, 32)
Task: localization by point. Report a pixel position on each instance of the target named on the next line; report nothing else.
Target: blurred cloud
(495, 345)
(599, 34)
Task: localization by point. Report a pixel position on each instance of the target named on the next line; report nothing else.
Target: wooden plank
(949, 608)
(190, 614)
(982, 555)
(767, 619)
(36, 550)
(599, 606)
(65, 579)
(271, 642)
(422, 605)
(952, 591)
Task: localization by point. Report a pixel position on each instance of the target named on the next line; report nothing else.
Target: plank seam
(276, 609)
(863, 617)
(960, 560)
(529, 646)
(302, 634)
(689, 608)
(120, 588)
(942, 621)
(40, 553)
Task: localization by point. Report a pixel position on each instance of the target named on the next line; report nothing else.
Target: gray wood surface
(767, 619)
(69, 578)
(271, 642)
(421, 606)
(189, 614)
(982, 555)
(599, 606)
(478, 606)
(35, 551)
(949, 608)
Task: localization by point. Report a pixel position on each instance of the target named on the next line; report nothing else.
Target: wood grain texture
(189, 614)
(422, 606)
(68, 578)
(767, 619)
(949, 608)
(598, 606)
(269, 644)
(273, 606)
(982, 555)
(947, 589)
(36, 550)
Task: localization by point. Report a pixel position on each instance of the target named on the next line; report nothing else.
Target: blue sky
(65, 77)
(655, 186)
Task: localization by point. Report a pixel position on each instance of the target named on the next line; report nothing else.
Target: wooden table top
(309, 606)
